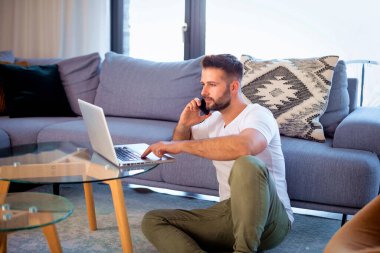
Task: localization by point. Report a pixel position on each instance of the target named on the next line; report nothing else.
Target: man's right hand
(191, 116)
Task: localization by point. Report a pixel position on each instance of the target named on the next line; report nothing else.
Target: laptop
(101, 141)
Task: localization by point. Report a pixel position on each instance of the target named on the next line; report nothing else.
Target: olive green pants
(252, 220)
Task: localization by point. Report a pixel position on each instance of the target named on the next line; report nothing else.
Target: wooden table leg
(121, 214)
(51, 235)
(4, 186)
(3, 242)
(90, 206)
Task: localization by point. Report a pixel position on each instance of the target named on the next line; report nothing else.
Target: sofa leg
(344, 219)
(56, 189)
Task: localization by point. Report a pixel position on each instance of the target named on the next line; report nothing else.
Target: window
(154, 29)
(295, 28)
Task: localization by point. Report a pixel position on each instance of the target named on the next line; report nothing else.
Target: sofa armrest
(360, 130)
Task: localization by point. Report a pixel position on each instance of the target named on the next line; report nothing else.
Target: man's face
(216, 89)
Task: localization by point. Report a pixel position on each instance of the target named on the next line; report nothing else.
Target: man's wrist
(182, 132)
(183, 128)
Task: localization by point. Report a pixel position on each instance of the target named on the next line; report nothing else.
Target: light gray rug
(309, 234)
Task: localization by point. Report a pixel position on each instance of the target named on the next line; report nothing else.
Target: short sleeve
(261, 120)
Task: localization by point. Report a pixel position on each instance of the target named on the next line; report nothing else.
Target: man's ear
(235, 86)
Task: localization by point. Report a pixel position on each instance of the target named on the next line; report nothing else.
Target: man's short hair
(227, 62)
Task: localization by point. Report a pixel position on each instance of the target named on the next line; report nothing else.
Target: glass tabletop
(28, 210)
(60, 162)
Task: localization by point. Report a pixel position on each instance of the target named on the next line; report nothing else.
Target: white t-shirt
(261, 119)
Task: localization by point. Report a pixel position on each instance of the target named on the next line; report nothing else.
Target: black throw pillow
(34, 91)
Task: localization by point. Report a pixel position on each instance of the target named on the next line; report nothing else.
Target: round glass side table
(29, 210)
(66, 163)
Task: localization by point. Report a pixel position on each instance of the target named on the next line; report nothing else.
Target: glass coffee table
(29, 210)
(66, 162)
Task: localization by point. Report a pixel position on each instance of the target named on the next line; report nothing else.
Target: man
(243, 141)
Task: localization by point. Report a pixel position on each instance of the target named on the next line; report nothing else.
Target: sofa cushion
(123, 131)
(79, 75)
(295, 90)
(25, 130)
(339, 101)
(80, 78)
(138, 88)
(353, 88)
(7, 56)
(360, 130)
(34, 91)
(318, 173)
(189, 170)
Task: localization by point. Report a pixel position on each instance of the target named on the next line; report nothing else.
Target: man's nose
(204, 91)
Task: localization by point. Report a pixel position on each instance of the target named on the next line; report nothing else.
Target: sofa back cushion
(7, 56)
(139, 88)
(338, 105)
(80, 78)
(353, 93)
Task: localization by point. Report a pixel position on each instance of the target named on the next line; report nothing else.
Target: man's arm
(181, 132)
(248, 142)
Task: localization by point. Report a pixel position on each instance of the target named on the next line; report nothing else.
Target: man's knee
(150, 221)
(246, 167)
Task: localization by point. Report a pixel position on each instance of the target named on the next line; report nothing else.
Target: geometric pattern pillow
(296, 91)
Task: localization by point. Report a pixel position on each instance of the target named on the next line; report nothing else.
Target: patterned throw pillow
(295, 90)
(2, 95)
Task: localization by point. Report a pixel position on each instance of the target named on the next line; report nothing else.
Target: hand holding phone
(203, 107)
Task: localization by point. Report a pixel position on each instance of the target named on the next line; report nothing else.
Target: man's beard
(221, 103)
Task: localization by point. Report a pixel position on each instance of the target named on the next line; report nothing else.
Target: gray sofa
(143, 100)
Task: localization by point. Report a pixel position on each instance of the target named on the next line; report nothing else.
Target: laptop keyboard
(125, 154)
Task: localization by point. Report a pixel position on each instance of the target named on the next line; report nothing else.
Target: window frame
(117, 16)
(195, 35)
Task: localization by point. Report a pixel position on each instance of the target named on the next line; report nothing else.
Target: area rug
(309, 233)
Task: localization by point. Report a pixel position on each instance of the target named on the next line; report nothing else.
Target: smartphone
(203, 107)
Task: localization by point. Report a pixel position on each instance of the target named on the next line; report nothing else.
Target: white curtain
(54, 28)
